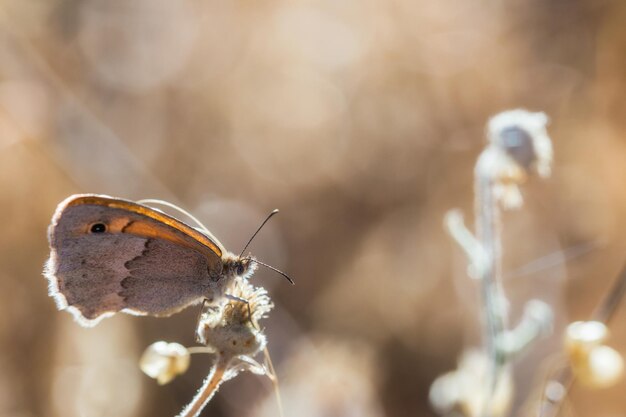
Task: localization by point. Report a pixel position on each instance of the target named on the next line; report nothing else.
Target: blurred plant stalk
(518, 145)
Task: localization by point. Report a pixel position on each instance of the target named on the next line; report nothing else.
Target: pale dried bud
(584, 335)
(594, 364)
(164, 361)
(465, 389)
(602, 368)
(536, 322)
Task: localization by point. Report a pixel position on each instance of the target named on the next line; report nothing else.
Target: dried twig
(557, 388)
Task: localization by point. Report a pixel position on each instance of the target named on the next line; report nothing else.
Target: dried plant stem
(488, 229)
(200, 349)
(274, 380)
(208, 388)
(550, 407)
(608, 306)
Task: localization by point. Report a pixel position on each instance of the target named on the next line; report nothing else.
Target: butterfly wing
(109, 255)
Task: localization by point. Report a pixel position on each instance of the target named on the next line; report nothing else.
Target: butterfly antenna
(258, 230)
(273, 269)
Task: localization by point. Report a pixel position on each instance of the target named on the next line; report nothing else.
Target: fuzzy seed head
(233, 330)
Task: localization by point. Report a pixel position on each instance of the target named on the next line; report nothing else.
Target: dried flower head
(518, 145)
(164, 361)
(233, 330)
(523, 136)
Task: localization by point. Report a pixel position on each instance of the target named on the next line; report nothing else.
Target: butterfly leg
(242, 300)
(200, 314)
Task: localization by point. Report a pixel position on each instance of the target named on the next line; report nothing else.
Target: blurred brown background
(361, 120)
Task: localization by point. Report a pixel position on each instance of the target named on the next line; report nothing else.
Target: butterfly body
(109, 255)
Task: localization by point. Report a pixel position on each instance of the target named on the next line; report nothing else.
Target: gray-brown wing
(164, 279)
(95, 271)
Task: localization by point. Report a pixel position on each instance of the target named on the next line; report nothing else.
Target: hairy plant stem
(208, 388)
(488, 229)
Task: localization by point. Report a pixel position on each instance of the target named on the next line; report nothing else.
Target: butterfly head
(240, 266)
(237, 266)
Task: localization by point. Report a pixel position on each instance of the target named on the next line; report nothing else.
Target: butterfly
(110, 255)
